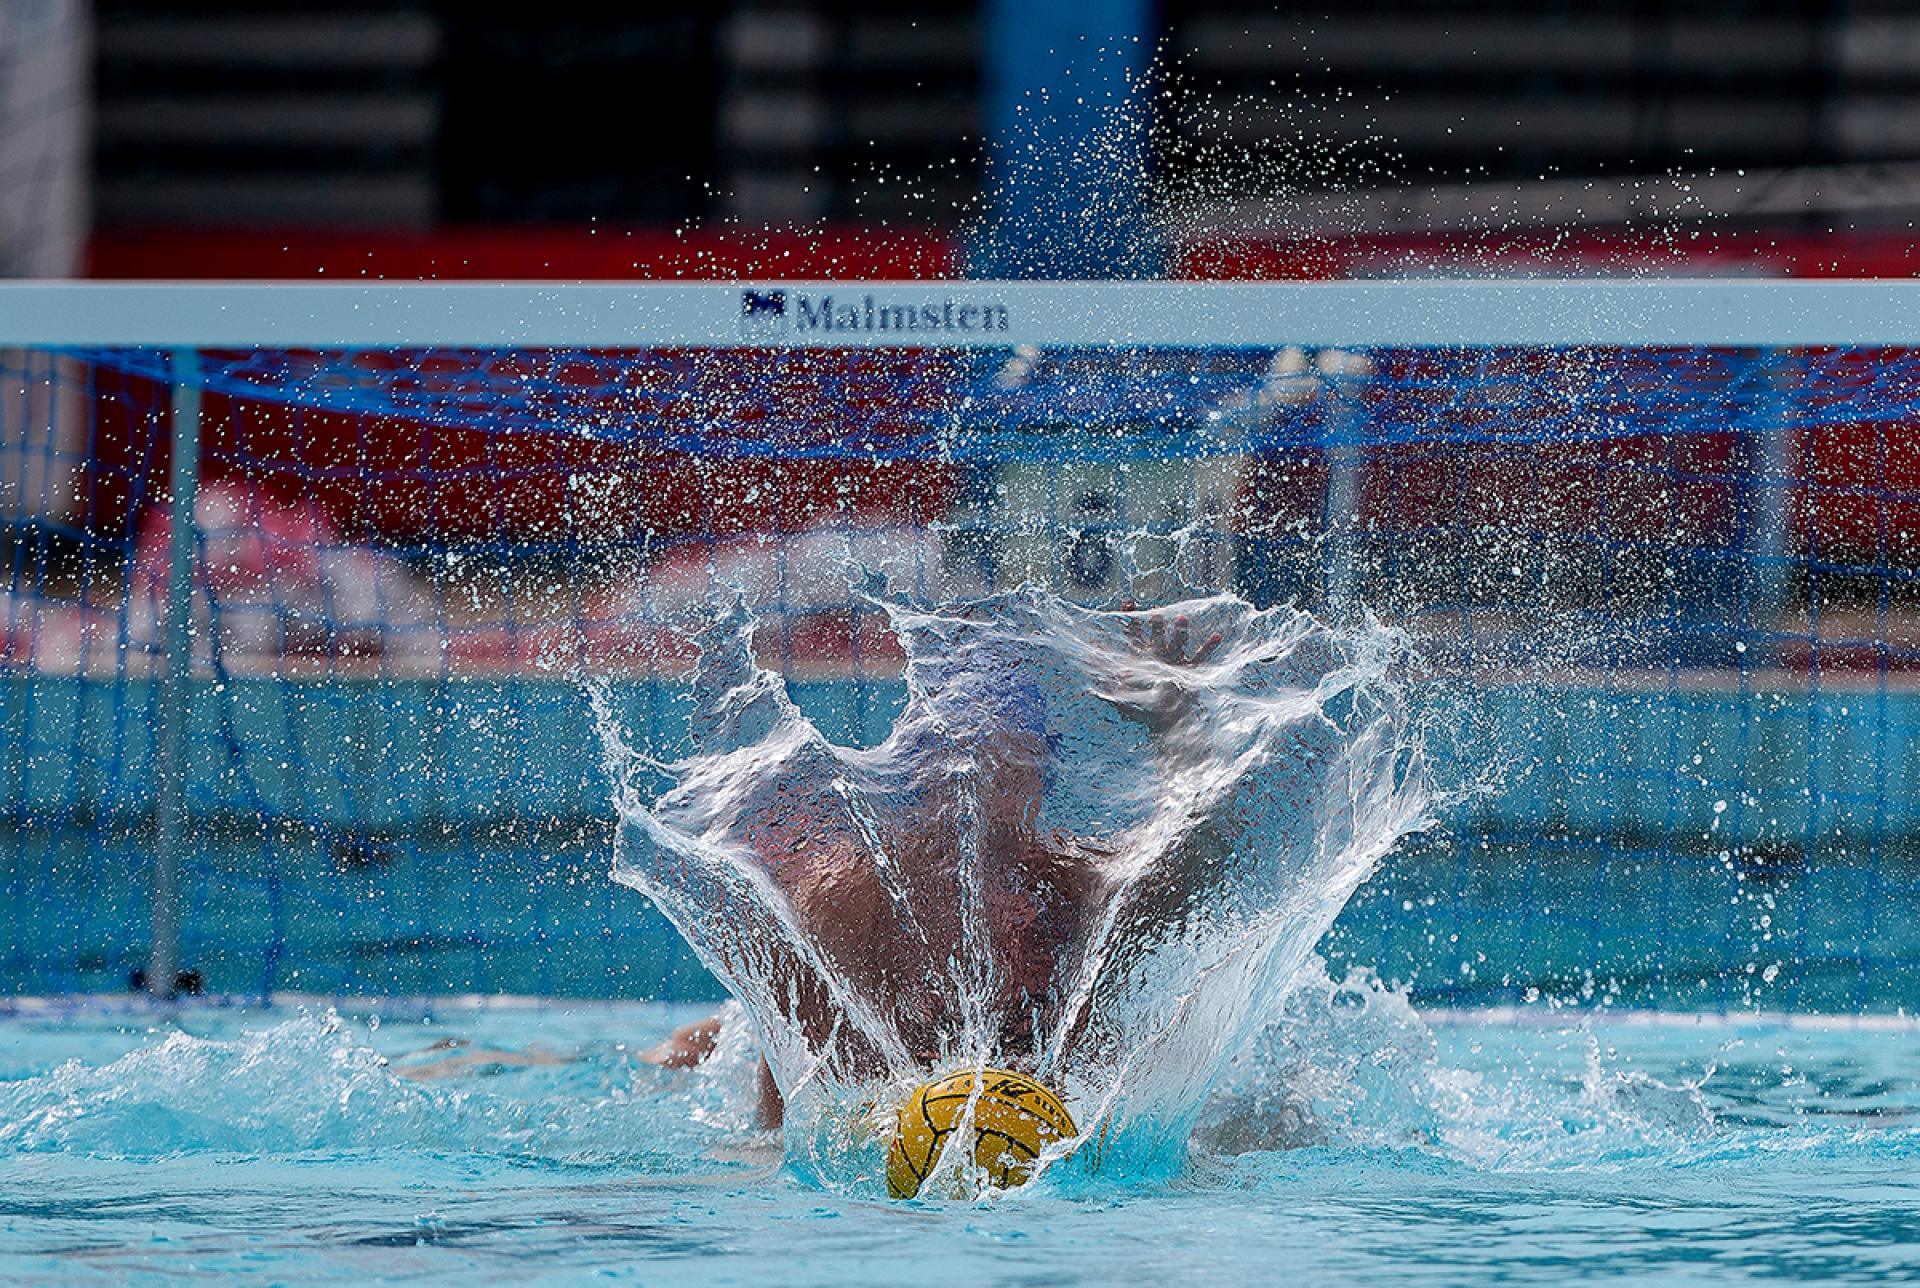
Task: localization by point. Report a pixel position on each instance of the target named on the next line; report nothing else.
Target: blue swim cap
(1025, 706)
(990, 693)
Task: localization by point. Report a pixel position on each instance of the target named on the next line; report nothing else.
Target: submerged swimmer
(1040, 889)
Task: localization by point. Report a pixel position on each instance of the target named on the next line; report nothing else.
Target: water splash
(316, 1083)
(1349, 1063)
(1083, 852)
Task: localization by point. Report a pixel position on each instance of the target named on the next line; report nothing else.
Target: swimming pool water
(296, 1145)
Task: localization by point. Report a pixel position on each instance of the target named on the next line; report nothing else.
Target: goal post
(290, 697)
(977, 314)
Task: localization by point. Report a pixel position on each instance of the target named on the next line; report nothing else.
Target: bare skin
(1048, 885)
(453, 1058)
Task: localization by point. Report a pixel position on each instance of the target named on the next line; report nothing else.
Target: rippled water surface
(1365, 1143)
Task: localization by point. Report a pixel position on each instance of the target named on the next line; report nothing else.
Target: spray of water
(1095, 846)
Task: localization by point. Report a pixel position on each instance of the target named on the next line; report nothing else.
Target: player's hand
(1162, 644)
(1147, 693)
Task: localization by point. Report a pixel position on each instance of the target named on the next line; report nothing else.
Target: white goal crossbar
(967, 314)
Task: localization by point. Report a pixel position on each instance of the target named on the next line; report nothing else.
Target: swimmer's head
(995, 712)
(988, 691)
(1001, 706)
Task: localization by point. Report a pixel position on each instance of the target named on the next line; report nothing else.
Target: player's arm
(1154, 687)
(694, 1044)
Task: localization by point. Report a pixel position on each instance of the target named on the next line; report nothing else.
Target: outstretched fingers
(1169, 646)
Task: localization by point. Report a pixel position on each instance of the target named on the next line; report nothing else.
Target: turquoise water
(1369, 1144)
(477, 862)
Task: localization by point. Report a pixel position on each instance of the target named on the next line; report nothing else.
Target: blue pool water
(297, 1145)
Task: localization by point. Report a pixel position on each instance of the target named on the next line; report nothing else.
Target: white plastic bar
(176, 684)
(800, 314)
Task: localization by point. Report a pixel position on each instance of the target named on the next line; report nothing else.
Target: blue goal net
(292, 629)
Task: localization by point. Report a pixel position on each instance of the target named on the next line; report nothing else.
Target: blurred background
(201, 137)
(392, 789)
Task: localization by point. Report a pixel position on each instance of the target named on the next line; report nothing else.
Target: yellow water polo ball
(1014, 1118)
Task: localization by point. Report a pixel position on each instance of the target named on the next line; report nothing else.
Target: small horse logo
(763, 313)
